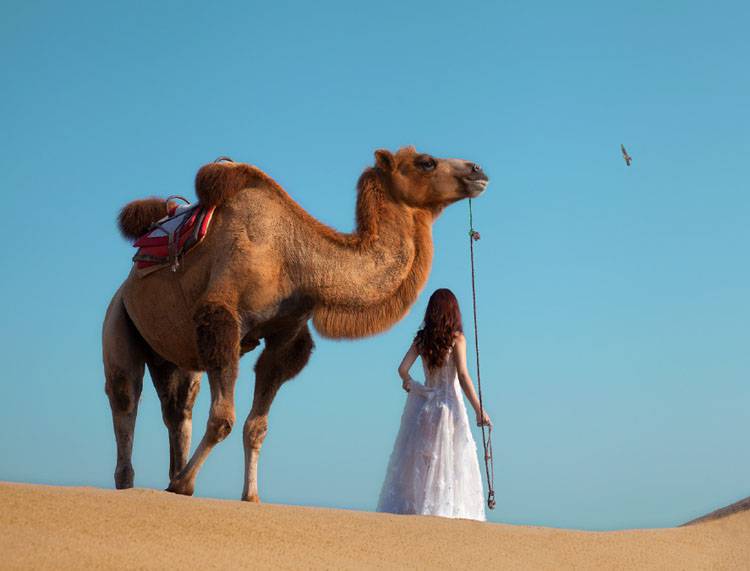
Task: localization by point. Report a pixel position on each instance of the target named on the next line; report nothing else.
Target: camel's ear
(384, 160)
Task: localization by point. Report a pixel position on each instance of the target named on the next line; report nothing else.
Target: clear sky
(613, 301)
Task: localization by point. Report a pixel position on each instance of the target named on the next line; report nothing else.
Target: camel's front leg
(284, 356)
(218, 337)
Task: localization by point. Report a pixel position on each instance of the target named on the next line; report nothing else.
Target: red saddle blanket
(172, 237)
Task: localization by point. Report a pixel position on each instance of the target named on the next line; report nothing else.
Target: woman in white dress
(433, 469)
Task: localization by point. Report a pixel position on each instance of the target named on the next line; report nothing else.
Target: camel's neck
(366, 283)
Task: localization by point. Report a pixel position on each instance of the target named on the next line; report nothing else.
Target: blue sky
(613, 301)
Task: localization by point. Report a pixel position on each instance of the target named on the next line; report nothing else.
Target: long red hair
(442, 320)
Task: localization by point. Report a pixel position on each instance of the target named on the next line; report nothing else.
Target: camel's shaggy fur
(136, 218)
(215, 183)
(263, 271)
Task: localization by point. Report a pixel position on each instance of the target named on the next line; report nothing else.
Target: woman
(433, 469)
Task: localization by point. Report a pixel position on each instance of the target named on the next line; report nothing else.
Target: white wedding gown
(433, 469)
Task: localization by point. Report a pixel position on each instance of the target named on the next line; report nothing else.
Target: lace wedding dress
(433, 469)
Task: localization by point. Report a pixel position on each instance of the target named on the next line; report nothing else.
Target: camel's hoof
(253, 498)
(124, 477)
(180, 488)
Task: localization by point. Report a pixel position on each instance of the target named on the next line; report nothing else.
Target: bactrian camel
(265, 268)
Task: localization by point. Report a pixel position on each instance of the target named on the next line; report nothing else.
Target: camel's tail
(137, 217)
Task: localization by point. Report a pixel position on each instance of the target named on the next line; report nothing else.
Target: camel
(265, 268)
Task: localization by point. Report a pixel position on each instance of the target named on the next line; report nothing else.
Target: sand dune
(74, 528)
(737, 507)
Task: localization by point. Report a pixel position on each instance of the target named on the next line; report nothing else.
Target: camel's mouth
(475, 187)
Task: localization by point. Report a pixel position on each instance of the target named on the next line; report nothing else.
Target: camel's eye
(425, 163)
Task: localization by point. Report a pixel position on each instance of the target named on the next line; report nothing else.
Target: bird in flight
(625, 155)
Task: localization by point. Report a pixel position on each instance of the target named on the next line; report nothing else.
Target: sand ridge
(74, 528)
(737, 507)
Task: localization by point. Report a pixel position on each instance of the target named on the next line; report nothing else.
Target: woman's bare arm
(406, 363)
(459, 354)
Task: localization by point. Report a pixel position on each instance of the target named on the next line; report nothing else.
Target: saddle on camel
(263, 270)
(169, 238)
(172, 237)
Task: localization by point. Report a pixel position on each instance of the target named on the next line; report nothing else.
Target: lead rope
(489, 464)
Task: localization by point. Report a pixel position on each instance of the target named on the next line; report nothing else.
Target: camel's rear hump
(137, 217)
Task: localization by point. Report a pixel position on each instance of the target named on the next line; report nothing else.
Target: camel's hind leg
(218, 338)
(124, 358)
(177, 390)
(284, 357)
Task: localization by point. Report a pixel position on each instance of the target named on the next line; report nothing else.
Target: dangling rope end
(491, 499)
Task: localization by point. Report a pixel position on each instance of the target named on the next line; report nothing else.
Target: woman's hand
(483, 419)
(406, 384)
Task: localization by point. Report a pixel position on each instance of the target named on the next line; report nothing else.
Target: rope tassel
(489, 464)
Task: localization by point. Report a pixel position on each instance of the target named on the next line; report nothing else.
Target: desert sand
(74, 528)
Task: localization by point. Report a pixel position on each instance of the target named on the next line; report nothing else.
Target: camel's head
(422, 180)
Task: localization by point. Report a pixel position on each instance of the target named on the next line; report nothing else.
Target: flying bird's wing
(625, 155)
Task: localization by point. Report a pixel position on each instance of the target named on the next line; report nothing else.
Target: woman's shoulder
(458, 338)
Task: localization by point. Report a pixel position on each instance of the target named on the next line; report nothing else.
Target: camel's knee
(219, 426)
(219, 429)
(255, 431)
(124, 391)
(177, 403)
(217, 335)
